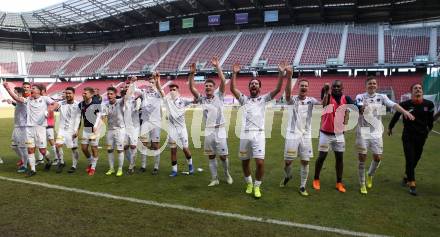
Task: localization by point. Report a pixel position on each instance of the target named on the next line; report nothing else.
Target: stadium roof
(114, 15)
(76, 12)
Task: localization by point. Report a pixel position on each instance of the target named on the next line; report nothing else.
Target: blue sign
(214, 20)
(241, 18)
(271, 16)
(164, 26)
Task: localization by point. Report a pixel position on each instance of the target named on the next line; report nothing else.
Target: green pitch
(387, 209)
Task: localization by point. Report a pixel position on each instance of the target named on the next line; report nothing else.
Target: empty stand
(323, 42)
(176, 56)
(215, 45)
(244, 50)
(281, 47)
(401, 45)
(361, 46)
(150, 56)
(120, 61)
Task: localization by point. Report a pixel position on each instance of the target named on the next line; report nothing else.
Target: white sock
(94, 162)
(54, 150)
(257, 183)
(133, 153)
(248, 179)
(213, 168)
(39, 155)
(143, 161)
(31, 158)
(288, 171)
(90, 159)
(24, 155)
(373, 167)
(157, 161)
(190, 161)
(75, 158)
(174, 168)
(60, 155)
(121, 160)
(304, 173)
(111, 160)
(225, 164)
(362, 172)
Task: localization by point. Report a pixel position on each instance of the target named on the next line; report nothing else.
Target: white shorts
(66, 138)
(374, 144)
(19, 137)
(85, 139)
(131, 136)
(50, 134)
(177, 137)
(253, 146)
(216, 142)
(36, 137)
(298, 146)
(115, 139)
(335, 142)
(152, 134)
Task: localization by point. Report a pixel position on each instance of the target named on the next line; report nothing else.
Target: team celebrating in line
(133, 116)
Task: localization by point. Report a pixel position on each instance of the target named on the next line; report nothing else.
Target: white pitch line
(436, 132)
(197, 210)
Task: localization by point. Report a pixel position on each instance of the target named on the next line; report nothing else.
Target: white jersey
(213, 115)
(176, 110)
(300, 116)
(114, 113)
(131, 117)
(20, 115)
(370, 122)
(151, 106)
(70, 116)
(36, 110)
(254, 112)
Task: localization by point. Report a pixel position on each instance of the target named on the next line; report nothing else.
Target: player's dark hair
(26, 83)
(173, 86)
(70, 89)
(19, 90)
(210, 81)
(256, 79)
(40, 87)
(415, 84)
(369, 79)
(304, 80)
(111, 88)
(90, 89)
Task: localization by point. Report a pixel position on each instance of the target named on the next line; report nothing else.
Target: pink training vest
(329, 118)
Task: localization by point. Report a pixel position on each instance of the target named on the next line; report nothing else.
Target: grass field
(388, 209)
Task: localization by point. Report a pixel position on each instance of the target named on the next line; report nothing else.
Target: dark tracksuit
(414, 132)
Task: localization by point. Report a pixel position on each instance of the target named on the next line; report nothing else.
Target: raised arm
(12, 94)
(326, 98)
(192, 88)
(281, 68)
(234, 90)
(156, 76)
(288, 90)
(215, 62)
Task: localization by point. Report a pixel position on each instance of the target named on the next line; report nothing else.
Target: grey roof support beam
(83, 15)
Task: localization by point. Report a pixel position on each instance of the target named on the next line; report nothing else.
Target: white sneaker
(213, 183)
(229, 179)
